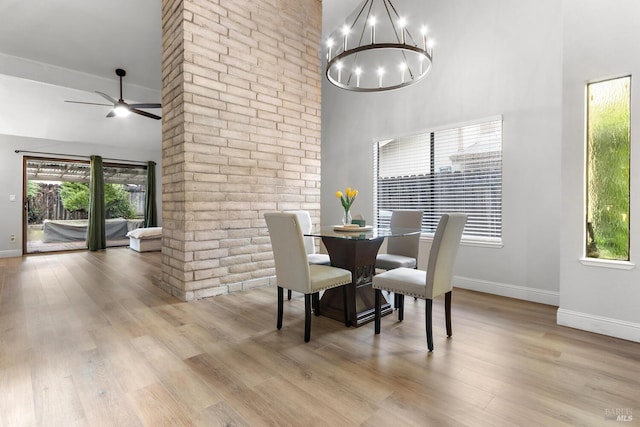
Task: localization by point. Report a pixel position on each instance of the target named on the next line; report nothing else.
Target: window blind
(457, 169)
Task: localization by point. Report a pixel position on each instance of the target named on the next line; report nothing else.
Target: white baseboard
(10, 254)
(512, 291)
(573, 319)
(600, 325)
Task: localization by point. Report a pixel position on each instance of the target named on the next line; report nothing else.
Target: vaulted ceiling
(92, 37)
(52, 51)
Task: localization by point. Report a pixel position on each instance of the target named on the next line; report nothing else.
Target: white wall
(600, 41)
(11, 182)
(33, 104)
(491, 57)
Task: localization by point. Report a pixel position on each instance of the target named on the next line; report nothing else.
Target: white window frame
(584, 259)
(484, 227)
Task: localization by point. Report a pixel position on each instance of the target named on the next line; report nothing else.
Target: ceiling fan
(120, 107)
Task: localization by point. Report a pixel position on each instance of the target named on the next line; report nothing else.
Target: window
(456, 169)
(57, 202)
(608, 160)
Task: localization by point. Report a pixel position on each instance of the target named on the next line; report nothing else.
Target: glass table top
(365, 234)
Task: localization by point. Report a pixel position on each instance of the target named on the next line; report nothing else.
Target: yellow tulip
(347, 198)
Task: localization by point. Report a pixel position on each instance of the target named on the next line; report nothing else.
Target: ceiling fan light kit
(122, 108)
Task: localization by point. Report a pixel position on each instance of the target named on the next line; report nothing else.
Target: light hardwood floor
(86, 339)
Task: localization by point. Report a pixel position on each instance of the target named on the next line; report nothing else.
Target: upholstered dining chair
(402, 251)
(304, 219)
(305, 224)
(427, 285)
(294, 272)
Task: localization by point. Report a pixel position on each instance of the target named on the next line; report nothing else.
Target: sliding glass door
(57, 201)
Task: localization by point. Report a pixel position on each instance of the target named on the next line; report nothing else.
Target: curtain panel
(96, 233)
(150, 210)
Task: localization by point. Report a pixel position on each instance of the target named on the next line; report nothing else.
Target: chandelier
(376, 51)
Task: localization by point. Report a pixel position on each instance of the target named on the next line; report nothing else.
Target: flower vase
(346, 218)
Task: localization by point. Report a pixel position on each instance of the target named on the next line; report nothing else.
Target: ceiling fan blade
(112, 113)
(89, 103)
(107, 97)
(144, 113)
(145, 105)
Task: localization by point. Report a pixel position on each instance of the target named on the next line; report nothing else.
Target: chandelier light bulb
(429, 48)
(329, 46)
(372, 23)
(403, 68)
(423, 31)
(339, 67)
(380, 74)
(345, 32)
(402, 23)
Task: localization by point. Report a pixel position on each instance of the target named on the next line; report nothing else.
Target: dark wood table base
(359, 257)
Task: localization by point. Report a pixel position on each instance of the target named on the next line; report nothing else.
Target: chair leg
(347, 321)
(289, 294)
(400, 302)
(280, 304)
(428, 323)
(315, 303)
(307, 317)
(447, 312)
(377, 310)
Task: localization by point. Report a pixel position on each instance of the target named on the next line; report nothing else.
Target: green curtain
(150, 211)
(96, 233)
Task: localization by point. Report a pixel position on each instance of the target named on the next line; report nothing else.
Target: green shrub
(75, 196)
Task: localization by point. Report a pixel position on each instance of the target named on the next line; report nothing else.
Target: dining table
(355, 249)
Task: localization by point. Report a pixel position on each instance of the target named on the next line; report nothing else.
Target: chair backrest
(292, 267)
(304, 219)
(405, 245)
(443, 253)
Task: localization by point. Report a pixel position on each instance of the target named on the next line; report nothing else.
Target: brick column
(240, 135)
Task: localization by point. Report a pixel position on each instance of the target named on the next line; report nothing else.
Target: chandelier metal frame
(401, 42)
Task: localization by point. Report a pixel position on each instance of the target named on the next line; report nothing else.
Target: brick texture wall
(240, 137)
